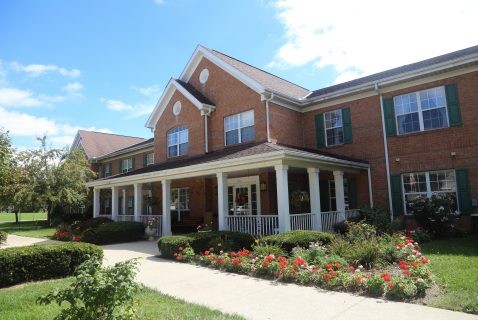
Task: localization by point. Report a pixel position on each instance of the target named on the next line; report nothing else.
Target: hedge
(3, 237)
(114, 232)
(302, 238)
(81, 226)
(40, 262)
(201, 241)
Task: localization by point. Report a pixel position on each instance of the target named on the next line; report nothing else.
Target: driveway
(255, 298)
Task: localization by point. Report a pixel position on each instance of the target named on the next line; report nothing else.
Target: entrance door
(243, 196)
(242, 200)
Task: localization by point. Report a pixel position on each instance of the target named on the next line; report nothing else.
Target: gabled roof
(188, 91)
(267, 80)
(146, 144)
(447, 59)
(97, 144)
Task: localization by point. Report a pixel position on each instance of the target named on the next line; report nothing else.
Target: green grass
(18, 303)
(26, 216)
(455, 264)
(35, 229)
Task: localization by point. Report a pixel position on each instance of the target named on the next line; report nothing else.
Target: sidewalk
(255, 298)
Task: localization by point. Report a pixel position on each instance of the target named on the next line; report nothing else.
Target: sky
(102, 64)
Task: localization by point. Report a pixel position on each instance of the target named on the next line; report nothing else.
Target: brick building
(242, 149)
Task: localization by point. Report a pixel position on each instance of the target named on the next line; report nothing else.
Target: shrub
(202, 241)
(114, 232)
(315, 254)
(301, 238)
(81, 226)
(3, 237)
(98, 293)
(359, 231)
(264, 249)
(41, 262)
(377, 217)
(435, 213)
(365, 252)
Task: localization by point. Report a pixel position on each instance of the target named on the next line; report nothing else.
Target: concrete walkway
(256, 298)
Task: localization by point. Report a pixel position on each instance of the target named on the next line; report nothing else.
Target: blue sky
(102, 65)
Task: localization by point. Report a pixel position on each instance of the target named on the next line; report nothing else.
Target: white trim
(246, 182)
(166, 97)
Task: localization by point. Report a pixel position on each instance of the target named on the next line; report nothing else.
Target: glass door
(242, 200)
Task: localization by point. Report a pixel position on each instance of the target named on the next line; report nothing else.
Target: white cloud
(3, 74)
(18, 98)
(36, 70)
(154, 90)
(160, 2)
(131, 111)
(358, 38)
(117, 105)
(73, 89)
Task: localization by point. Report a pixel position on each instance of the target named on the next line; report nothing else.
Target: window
(334, 131)
(239, 128)
(178, 141)
(333, 197)
(126, 165)
(426, 184)
(179, 201)
(421, 110)
(130, 205)
(106, 169)
(149, 159)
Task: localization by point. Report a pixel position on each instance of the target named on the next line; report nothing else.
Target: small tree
(435, 214)
(98, 293)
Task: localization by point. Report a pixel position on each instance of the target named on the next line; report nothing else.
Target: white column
(282, 197)
(124, 202)
(114, 203)
(222, 207)
(314, 189)
(138, 201)
(96, 202)
(339, 194)
(166, 218)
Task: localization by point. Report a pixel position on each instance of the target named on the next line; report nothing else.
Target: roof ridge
(113, 134)
(262, 70)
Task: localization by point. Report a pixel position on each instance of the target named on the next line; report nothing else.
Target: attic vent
(203, 76)
(177, 108)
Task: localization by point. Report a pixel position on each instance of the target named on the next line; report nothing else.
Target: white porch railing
(125, 217)
(352, 213)
(157, 223)
(303, 221)
(329, 219)
(260, 225)
(104, 216)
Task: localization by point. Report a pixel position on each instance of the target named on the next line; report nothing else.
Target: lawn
(455, 264)
(18, 303)
(36, 229)
(26, 216)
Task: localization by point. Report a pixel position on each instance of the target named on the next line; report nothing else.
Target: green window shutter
(389, 115)
(347, 125)
(319, 130)
(133, 163)
(453, 105)
(463, 190)
(397, 198)
(145, 160)
(352, 193)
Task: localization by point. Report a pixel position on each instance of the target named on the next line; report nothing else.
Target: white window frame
(428, 193)
(107, 171)
(126, 165)
(239, 127)
(420, 111)
(245, 182)
(177, 206)
(150, 159)
(346, 194)
(339, 111)
(178, 143)
(107, 203)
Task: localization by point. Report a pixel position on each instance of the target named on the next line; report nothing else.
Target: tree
(53, 179)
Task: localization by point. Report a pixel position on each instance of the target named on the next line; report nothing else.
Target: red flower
(236, 261)
(403, 265)
(333, 273)
(338, 265)
(206, 253)
(327, 277)
(415, 264)
(351, 268)
(180, 248)
(329, 266)
(175, 254)
(222, 261)
(391, 285)
(270, 257)
(407, 273)
(298, 262)
(386, 277)
(359, 280)
(425, 260)
(266, 263)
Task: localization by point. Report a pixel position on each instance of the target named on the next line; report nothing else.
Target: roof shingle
(96, 144)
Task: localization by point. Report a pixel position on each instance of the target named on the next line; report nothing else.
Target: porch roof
(236, 158)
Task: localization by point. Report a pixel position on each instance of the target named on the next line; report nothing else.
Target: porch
(243, 193)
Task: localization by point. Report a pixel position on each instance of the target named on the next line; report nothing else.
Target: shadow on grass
(37, 229)
(467, 246)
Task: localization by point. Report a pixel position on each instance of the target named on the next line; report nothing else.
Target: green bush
(377, 217)
(200, 241)
(3, 237)
(81, 226)
(263, 249)
(42, 262)
(98, 293)
(435, 214)
(114, 232)
(301, 238)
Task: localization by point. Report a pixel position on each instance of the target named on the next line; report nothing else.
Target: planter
(150, 232)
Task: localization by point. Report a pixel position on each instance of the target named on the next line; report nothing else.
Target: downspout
(263, 97)
(206, 141)
(385, 147)
(370, 187)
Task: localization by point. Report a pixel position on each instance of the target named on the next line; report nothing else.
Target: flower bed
(406, 277)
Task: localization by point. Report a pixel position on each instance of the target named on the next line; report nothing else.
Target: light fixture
(263, 186)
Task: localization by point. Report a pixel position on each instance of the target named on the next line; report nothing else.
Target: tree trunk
(16, 216)
(50, 208)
